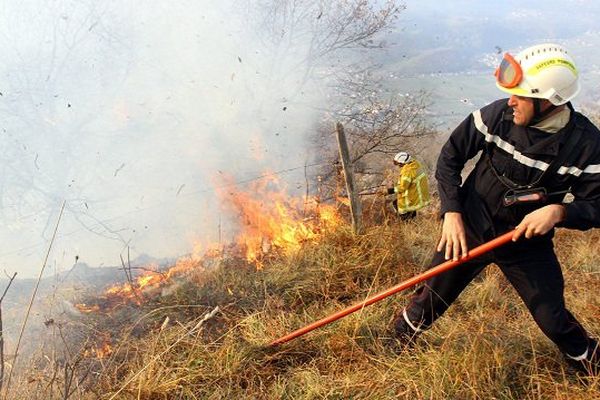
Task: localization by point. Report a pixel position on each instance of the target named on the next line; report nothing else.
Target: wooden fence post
(355, 206)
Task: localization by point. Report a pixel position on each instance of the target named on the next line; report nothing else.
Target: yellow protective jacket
(412, 188)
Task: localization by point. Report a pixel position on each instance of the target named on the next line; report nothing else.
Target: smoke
(130, 112)
(133, 111)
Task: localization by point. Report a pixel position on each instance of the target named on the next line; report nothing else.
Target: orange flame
(84, 308)
(269, 218)
(149, 280)
(102, 351)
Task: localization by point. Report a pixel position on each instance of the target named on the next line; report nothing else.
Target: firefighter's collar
(554, 122)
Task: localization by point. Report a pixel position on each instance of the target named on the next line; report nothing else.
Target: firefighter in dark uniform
(535, 149)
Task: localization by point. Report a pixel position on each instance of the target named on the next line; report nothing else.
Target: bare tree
(330, 42)
(319, 29)
(378, 122)
(41, 108)
(310, 41)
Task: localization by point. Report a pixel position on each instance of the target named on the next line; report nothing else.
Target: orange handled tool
(445, 266)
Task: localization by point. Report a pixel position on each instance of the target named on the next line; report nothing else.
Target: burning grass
(486, 346)
(270, 218)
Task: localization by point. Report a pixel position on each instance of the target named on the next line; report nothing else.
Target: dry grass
(485, 347)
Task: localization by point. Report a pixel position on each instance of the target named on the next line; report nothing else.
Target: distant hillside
(450, 50)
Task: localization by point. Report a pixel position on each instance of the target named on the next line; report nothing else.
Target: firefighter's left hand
(540, 221)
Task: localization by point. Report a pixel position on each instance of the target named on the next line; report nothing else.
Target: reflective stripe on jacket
(412, 188)
(520, 154)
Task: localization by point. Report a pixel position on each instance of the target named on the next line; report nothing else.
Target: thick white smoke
(129, 112)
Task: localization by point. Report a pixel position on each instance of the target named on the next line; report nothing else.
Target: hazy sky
(132, 113)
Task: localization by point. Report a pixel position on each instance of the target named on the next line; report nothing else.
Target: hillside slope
(181, 346)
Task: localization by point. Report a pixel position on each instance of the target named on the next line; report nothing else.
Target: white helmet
(544, 71)
(402, 158)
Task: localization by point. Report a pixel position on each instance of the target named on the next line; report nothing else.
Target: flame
(343, 200)
(269, 218)
(148, 283)
(270, 222)
(84, 308)
(143, 283)
(121, 294)
(103, 350)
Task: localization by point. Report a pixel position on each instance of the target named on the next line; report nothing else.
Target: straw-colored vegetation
(485, 347)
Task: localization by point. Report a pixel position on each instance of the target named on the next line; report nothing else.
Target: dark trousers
(406, 216)
(532, 269)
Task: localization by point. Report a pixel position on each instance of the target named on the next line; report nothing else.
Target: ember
(99, 351)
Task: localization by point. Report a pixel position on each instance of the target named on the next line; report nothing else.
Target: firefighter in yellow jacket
(412, 189)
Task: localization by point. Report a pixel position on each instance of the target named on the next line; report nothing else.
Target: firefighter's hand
(540, 221)
(453, 239)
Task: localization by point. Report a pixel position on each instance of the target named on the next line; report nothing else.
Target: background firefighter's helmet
(548, 73)
(402, 158)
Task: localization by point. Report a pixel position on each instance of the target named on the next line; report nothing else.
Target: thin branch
(7, 286)
(2, 332)
(62, 208)
(129, 275)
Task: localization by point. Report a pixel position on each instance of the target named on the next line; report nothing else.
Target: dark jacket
(520, 155)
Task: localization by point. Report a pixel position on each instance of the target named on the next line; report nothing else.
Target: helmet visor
(509, 74)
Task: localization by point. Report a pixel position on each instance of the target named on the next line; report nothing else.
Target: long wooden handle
(445, 266)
